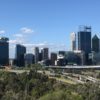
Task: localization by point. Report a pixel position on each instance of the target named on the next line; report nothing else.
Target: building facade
(36, 50)
(73, 41)
(19, 55)
(45, 53)
(84, 39)
(62, 53)
(95, 43)
(4, 51)
(53, 58)
(29, 59)
(84, 42)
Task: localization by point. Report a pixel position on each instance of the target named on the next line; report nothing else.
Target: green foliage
(89, 91)
(36, 86)
(32, 85)
(61, 95)
(36, 66)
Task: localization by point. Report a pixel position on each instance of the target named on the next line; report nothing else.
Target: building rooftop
(95, 37)
(4, 39)
(83, 28)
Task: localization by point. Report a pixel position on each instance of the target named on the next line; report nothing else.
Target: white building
(73, 41)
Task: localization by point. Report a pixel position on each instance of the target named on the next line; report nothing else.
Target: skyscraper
(95, 43)
(84, 39)
(53, 58)
(73, 41)
(36, 54)
(40, 56)
(84, 42)
(29, 59)
(45, 53)
(19, 55)
(4, 51)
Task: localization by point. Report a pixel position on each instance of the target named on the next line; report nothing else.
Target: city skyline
(46, 23)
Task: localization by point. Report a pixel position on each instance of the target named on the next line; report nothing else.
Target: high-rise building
(40, 56)
(29, 59)
(73, 41)
(36, 54)
(45, 53)
(84, 39)
(84, 42)
(53, 58)
(4, 51)
(95, 43)
(19, 55)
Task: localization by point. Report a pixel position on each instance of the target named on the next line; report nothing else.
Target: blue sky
(46, 22)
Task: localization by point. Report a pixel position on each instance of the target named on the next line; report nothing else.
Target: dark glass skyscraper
(84, 42)
(84, 39)
(53, 58)
(19, 55)
(4, 51)
(95, 43)
(45, 53)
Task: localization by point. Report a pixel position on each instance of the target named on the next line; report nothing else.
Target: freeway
(82, 78)
(73, 67)
(15, 71)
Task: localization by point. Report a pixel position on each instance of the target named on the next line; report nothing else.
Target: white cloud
(51, 46)
(23, 34)
(22, 37)
(18, 35)
(30, 46)
(12, 41)
(15, 41)
(2, 31)
(26, 30)
(43, 44)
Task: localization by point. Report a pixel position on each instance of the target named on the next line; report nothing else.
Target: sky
(46, 23)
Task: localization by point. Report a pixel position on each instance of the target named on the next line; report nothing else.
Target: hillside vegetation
(36, 86)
